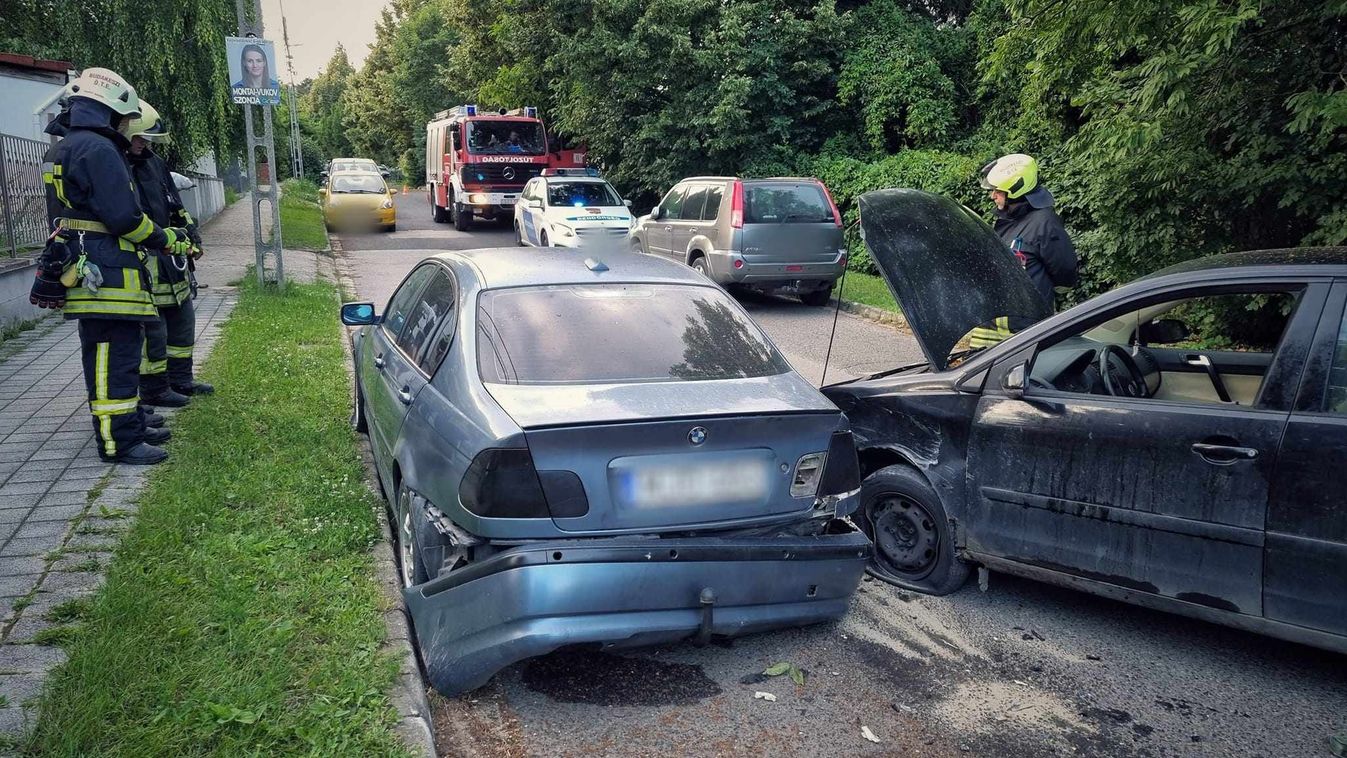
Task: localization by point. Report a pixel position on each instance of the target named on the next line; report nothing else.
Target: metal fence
(23, 199)
(206, 199)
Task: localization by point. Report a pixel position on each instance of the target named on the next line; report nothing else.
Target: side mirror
(1013, 381)
(536, 204)
(1164, 331)
(627, 203)
(656, 212)
(358, 314)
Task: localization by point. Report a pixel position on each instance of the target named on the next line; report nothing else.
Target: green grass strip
(241, 615)
(869, 290)
(301, 219)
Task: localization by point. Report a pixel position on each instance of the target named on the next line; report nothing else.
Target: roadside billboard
(252, 62)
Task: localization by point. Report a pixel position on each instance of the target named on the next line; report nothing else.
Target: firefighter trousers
(111, 349)
(167, 356)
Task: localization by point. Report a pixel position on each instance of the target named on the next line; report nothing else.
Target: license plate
(701, 483)
(509, 200)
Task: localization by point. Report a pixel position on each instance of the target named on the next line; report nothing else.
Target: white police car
(570, 208)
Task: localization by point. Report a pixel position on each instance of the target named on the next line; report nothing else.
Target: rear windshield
(593, 334)
(786, 203)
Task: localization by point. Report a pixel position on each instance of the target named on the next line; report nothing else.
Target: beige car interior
(1176, 385)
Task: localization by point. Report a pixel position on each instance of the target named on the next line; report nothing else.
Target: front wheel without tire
(914, 545)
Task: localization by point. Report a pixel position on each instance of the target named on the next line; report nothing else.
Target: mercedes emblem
(507, 172)
(698, 435)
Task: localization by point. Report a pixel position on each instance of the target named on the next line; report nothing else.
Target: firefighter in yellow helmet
(1027, 223)
(94, 265)
(166, 366)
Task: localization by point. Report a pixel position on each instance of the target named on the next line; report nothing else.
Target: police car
(568, 208)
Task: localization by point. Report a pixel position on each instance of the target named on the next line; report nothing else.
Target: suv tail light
(737, 205)
(837, 215)
(504, 483)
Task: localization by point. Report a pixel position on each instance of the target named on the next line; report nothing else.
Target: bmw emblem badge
(698, 435)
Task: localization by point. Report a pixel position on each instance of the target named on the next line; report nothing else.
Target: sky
(316, 26)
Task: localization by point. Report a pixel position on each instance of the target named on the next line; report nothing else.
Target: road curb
(871, 313)
(409, 690)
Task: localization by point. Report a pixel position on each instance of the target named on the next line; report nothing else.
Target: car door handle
(379, 362)
(405, 395)
(1217, 453)
(668, 228)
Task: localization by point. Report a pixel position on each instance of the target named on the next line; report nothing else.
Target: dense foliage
(172, 53)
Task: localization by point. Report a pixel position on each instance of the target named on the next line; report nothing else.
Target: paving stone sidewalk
(61, 508)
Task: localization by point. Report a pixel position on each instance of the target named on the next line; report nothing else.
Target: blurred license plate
(701, 483)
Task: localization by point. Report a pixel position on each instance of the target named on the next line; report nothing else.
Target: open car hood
(947, 268)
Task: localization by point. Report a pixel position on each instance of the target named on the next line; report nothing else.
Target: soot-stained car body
(583, 451)
(1107, 448)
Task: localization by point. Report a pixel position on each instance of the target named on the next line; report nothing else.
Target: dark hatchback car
(607, 452)
(1106, 448)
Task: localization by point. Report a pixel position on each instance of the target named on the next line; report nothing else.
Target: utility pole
(270, 246)
(296, 138)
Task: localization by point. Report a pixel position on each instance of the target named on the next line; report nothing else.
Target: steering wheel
(1132, 385)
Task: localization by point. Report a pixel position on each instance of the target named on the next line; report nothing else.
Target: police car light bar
(594, 172)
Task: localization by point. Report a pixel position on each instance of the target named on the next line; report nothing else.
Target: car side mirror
(1164, 331)
(1013, 381)
(536, 204)
(358, 314)
(656, 212)
(627, 203)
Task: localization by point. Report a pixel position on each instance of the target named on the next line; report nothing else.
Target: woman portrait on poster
(256, 70)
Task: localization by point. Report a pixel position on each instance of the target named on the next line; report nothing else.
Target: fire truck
(477, 161)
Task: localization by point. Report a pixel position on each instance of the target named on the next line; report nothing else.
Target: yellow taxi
(357, 200)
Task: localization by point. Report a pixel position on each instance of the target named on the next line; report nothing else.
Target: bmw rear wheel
(914, 545)
(409, 563)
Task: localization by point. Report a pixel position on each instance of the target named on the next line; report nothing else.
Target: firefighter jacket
(159, 197)
(90, 197)
(1034, 232)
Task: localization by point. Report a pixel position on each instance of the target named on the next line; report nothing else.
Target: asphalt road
(1022, 669)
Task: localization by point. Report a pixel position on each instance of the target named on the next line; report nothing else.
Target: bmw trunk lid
(946, 267)
(618, 458)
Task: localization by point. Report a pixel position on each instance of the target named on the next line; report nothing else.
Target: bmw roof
(535, 266)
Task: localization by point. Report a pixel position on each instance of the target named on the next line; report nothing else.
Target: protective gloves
(179, 242)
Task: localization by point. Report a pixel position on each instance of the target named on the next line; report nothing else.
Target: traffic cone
(404, 189)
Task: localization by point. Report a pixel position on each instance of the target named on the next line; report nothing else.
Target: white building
(30, 88)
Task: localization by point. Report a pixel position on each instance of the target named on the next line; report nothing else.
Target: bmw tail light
(842, 473)
(503, 483)
(737, 205)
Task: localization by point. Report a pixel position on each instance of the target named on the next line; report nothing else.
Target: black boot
(195, 388)
(168, 398)
(157, 436)
(139, 454)
(153, 420)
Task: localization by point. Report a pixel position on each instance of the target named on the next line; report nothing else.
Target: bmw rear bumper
(531, 600)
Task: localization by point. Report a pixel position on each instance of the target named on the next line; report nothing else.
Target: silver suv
(782, 234)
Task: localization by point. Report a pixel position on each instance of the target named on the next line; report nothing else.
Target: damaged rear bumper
(531, 600)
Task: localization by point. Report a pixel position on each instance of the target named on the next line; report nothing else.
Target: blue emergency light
(531, 111)
(472, 110)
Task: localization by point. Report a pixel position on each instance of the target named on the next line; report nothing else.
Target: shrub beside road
(241, 613)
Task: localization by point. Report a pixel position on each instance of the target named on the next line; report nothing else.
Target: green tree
(323, 104)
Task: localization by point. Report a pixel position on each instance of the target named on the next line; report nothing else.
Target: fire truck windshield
(505, 137)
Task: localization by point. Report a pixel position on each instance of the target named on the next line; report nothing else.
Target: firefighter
(166, 364)
(1027, 223)
(94, 265)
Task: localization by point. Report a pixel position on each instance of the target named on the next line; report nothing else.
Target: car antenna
(837, 309)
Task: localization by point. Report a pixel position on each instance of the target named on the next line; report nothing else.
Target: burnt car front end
(639, 484)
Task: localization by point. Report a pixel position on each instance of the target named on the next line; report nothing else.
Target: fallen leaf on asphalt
(769, 697)
(797, 675)
(777, 669)
(869, 735)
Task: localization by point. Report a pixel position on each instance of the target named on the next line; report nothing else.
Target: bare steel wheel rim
(906, 535)
(408, 550)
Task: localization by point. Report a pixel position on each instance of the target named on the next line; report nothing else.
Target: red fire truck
(477, 161)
